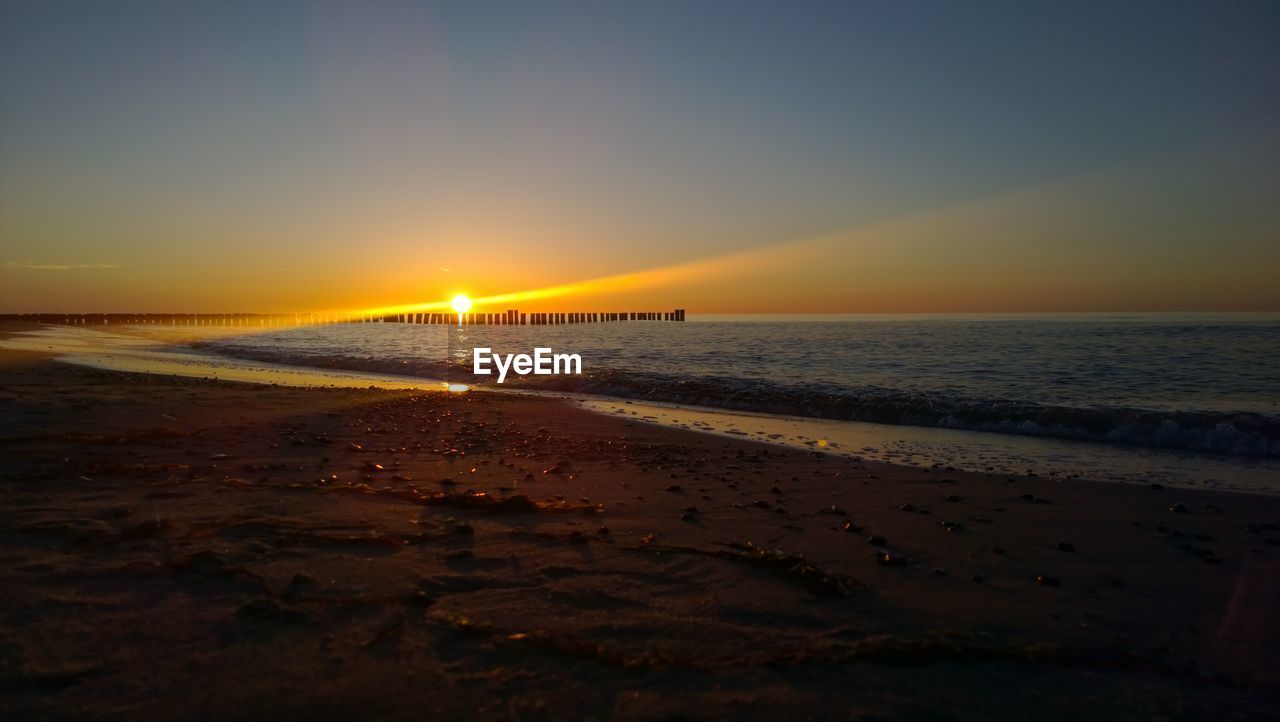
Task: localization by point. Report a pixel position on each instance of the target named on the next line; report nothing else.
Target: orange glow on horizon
(693, 271)
(918, 262)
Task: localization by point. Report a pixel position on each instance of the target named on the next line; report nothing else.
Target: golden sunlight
(461, 303)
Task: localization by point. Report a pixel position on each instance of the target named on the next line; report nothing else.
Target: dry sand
(186, 549)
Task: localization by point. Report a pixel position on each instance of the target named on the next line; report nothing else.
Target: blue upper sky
(618, 136)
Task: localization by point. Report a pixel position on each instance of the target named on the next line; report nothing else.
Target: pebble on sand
(889, 559)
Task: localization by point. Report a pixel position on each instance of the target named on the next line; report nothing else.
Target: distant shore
(181, 547)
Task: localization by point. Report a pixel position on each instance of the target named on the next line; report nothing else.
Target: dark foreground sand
(182, 549)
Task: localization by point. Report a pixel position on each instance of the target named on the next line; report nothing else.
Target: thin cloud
(29, 266)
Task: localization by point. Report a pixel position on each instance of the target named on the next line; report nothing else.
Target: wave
(1240, 433)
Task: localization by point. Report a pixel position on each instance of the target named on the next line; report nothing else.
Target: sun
(461, 303)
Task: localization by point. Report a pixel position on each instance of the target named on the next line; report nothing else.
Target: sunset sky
(719, 156)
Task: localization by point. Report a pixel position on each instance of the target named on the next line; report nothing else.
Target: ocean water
(1177, 398)
(1199, 382)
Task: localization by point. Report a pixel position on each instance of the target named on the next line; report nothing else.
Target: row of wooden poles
(511, 317)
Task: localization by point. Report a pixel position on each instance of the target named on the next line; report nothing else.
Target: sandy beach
(705, 361)
(179, 548)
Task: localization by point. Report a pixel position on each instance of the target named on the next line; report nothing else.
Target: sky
(722, 157)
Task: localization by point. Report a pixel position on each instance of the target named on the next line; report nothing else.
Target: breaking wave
(1241, 433)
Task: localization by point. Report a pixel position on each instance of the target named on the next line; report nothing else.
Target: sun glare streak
(787, 253)
(760, 259)
(781, 254)
(688, 272)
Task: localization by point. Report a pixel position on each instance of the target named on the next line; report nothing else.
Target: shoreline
(183, 544)
(934, 448)
(920, 446)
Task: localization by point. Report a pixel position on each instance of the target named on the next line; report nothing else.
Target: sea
(1177, 398)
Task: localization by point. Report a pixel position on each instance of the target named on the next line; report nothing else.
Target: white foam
(969, 450)
(962, 449)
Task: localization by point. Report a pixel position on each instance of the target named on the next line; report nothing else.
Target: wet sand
(182, 548)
